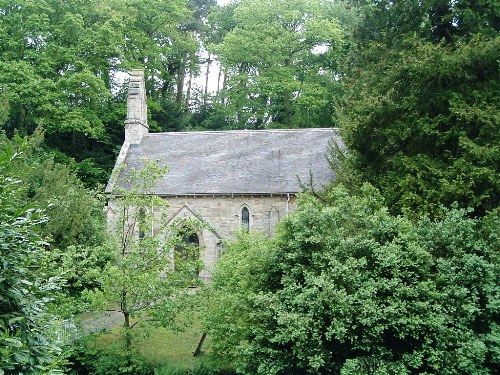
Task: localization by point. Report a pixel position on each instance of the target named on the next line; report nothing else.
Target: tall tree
(61, 69)
(421, 111)
(278, 56)
(57, 67)
(58, 70)
(164, 38)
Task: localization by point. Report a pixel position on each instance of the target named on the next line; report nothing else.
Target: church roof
(236, 162)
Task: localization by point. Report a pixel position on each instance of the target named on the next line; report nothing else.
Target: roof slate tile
(238, 161)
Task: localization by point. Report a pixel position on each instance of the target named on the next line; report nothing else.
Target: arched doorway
(187, 256)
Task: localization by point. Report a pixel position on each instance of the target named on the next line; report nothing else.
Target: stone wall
(222, 214)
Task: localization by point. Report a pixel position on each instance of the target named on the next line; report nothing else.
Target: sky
(214, 69)
(199, 81)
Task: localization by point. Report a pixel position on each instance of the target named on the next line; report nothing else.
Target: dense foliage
(279, 59)
(74, 226)
(63, 70)
(421, 116)
(28, 329)
(346, 288)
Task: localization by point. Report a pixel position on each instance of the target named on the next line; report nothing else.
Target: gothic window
(245, 218)
(142, 222)
(274, 216)
(187, 254)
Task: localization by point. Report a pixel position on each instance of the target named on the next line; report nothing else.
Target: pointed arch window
(187, 255)
(245, 218)
(142, 223)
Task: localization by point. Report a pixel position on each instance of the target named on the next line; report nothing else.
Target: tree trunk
(127, 330)
(188, 92)
(218, 81)
(288, 103)
(197, 351)
(181, 74)
(206, 79)
(21, 120)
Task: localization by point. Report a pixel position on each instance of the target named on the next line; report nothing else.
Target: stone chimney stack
(136, 124)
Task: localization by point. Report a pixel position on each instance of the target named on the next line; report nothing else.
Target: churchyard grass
(161, 347)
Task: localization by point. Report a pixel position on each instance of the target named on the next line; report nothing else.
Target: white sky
(201, 79)
(214, 69)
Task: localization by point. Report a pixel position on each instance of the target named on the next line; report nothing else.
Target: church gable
(207, 238)
(185, 213)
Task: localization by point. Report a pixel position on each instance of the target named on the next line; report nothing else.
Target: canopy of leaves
(421, 112)
(278, 57)
(62, 63)
(346, 288)
(74, 226)
(28, 331)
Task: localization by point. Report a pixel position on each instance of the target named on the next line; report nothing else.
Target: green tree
(347, 288)
(420, 113)
(227, 303)
(278, 57)
(4, 108)
(74, 229)
(57, 67)
(28, 329)
(62, 70)
(140, 281)
(163, 37)
(58, 70)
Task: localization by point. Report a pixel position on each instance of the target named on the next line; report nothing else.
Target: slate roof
(236, 162)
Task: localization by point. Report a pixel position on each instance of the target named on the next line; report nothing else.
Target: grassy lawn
(161, 346)
(176, 348)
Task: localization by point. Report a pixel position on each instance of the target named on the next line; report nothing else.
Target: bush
(346, 288)
(30, 334)
(199, 370)
(85, 359)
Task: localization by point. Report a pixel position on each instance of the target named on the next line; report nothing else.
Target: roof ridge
(243, 131)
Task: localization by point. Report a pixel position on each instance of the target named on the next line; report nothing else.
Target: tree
(58, 72)
(74, 211)
(28, 329)
(140, 282)
(57, 67)
(421, 106)
(164, 39)
(347, 288)
(62, 70)
(74, 229)
(279, 60)
(227, 303)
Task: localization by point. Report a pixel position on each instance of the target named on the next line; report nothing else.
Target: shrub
(347, 288)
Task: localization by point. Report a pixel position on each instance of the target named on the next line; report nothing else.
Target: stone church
(232, 180)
